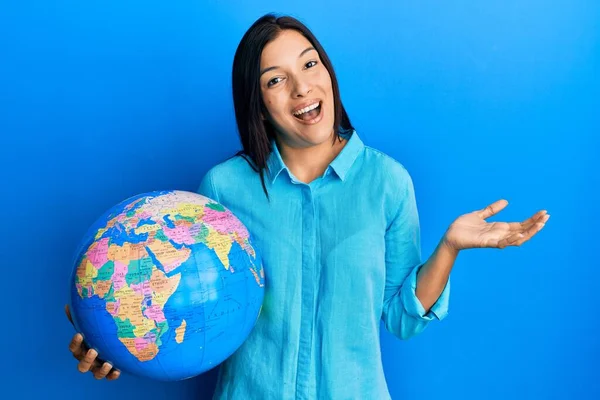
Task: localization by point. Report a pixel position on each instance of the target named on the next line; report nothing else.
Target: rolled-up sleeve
(413, 306)
(403, 314)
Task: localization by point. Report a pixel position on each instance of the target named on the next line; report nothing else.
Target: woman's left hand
(472, 231)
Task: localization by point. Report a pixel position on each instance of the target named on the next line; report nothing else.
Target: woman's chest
(320, 238)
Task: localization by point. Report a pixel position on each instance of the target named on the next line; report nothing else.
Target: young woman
(337, 226)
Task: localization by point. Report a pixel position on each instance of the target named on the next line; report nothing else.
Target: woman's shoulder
(225, 175)
(235, 166)
(390, 176)
(390, 168)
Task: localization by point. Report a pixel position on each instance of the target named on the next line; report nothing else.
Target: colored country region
(199, 232)
(118, 278)
(163, 287)
(139, 271)
(84, 278)
(188, 210)
(98, 252)
(168, 255)
(224, 222)
(221, 244)
(146, 228)
(180, 232)
(130, 305)
(134, 320)
(140, 348)
(126, 252)
(105, 272)
(180, 332)
(124, 328)
(101, 288)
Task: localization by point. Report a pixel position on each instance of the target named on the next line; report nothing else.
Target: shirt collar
(275, 163)
(344, 161)
(341, 164)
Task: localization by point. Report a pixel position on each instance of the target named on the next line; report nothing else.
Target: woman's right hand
(88, 360)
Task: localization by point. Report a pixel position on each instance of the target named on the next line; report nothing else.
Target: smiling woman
(298, 97)
(280, 59)
(339, 257)
(301, 89)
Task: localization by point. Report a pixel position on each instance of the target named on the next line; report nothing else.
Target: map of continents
(132, 263)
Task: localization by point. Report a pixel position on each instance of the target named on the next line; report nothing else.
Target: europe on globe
(166, 285)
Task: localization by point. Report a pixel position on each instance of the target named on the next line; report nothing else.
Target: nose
(302, 87)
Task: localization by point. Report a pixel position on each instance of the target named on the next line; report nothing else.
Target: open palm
(473, 231)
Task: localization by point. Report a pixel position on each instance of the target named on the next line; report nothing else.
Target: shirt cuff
(413, 306)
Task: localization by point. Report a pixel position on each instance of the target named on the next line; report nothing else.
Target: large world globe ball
(166, 285)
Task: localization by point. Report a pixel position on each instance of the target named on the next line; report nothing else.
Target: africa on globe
(166, 285)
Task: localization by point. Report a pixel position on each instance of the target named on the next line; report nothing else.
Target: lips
(311, 114)
(305, 104)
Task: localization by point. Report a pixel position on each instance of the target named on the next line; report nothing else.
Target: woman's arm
(433, 275)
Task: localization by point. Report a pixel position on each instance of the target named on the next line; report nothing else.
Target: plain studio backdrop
(101, 100)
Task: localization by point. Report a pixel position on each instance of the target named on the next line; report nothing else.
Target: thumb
(492, 209)
(68, 312)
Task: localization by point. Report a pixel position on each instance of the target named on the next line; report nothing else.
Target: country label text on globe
(167, 284)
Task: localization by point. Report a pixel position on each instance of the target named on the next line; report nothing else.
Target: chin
(320, 136)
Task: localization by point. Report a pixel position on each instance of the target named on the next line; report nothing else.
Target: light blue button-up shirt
(340, 254)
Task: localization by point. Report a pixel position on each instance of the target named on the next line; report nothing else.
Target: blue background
(101, 100)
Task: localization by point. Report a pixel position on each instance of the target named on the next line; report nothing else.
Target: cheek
(269, 100)
(328, 88)
(325, 79)
(276, 113)
(268, 105)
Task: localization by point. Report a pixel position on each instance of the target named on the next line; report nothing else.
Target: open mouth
(309, 113)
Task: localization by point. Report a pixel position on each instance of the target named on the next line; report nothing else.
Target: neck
(309, 163)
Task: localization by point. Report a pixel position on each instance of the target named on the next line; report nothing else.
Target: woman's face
(296, 89)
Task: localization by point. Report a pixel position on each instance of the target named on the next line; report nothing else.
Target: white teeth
(307, 109)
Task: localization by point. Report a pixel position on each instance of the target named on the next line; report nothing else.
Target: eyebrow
(275, 67)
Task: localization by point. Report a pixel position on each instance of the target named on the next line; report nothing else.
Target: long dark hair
(256, 133)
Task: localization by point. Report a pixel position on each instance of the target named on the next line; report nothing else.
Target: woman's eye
(273, 81)
(310, 64)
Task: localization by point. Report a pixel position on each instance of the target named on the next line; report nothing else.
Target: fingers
(104, 371)
(114, 374)
(529, 233)
(492, 209)
(520, 227)
(76, 346)
(518, 238)
(89, 361)
(86, 363)
(510, 240)
(539, 216)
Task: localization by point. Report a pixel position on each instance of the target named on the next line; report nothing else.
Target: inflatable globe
(166, 285)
